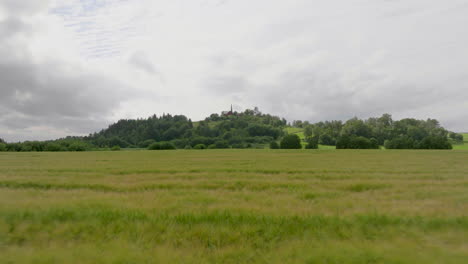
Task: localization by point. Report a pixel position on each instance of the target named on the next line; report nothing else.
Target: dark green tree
(291, 141)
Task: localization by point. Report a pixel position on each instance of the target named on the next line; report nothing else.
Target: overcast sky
(72, 67)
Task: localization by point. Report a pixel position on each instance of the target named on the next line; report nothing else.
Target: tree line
(372, 133)
(252, 129)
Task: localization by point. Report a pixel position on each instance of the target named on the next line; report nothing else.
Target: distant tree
(297, 123)
(327, 139)
(274, 145)
(3, 147)
(356, 127)
(456, 137)
(312, 143)
(291, 141)
(308, 131)
(53, 147)
(77, 146)
(2, 141)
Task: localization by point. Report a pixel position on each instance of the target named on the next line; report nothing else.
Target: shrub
(312, 143)
(274, 145)
(115, 148)
(167, 146)
(291, 142)
(212, 146)
(162, 146)
(155, 146)
(200, 146)
(188, 147)
(2, 147)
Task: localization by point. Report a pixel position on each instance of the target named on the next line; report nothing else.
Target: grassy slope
(300, 133)
(234, 206)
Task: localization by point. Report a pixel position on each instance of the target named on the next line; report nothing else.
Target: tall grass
(234, 206)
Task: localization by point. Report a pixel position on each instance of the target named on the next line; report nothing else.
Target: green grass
(234, 206)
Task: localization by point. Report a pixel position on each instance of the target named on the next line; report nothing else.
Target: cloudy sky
(72, 67)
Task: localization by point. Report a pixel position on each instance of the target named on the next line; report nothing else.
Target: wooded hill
(252, 129)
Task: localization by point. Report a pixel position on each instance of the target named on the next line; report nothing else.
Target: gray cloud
(302, 60)
(52, 94)
(141, 61)
(23, 7)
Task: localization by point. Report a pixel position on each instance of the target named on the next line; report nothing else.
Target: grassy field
(234, 206)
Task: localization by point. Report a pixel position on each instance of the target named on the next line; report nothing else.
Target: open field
(234, 206)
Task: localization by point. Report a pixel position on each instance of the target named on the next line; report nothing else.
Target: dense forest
(252, 129)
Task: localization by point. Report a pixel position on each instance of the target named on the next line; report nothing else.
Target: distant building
(228, 113)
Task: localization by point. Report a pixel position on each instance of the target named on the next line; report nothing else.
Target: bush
(200, 146)
(312, 143)
(188, 147)
(212, 146)
(115, 148)
(3, 147)
(356, 142)
(162, 146)
(274, 145)
(291, 142)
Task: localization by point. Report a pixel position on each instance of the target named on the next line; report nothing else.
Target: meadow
(235, 206)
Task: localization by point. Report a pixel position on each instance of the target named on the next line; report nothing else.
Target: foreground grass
(234, 206)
